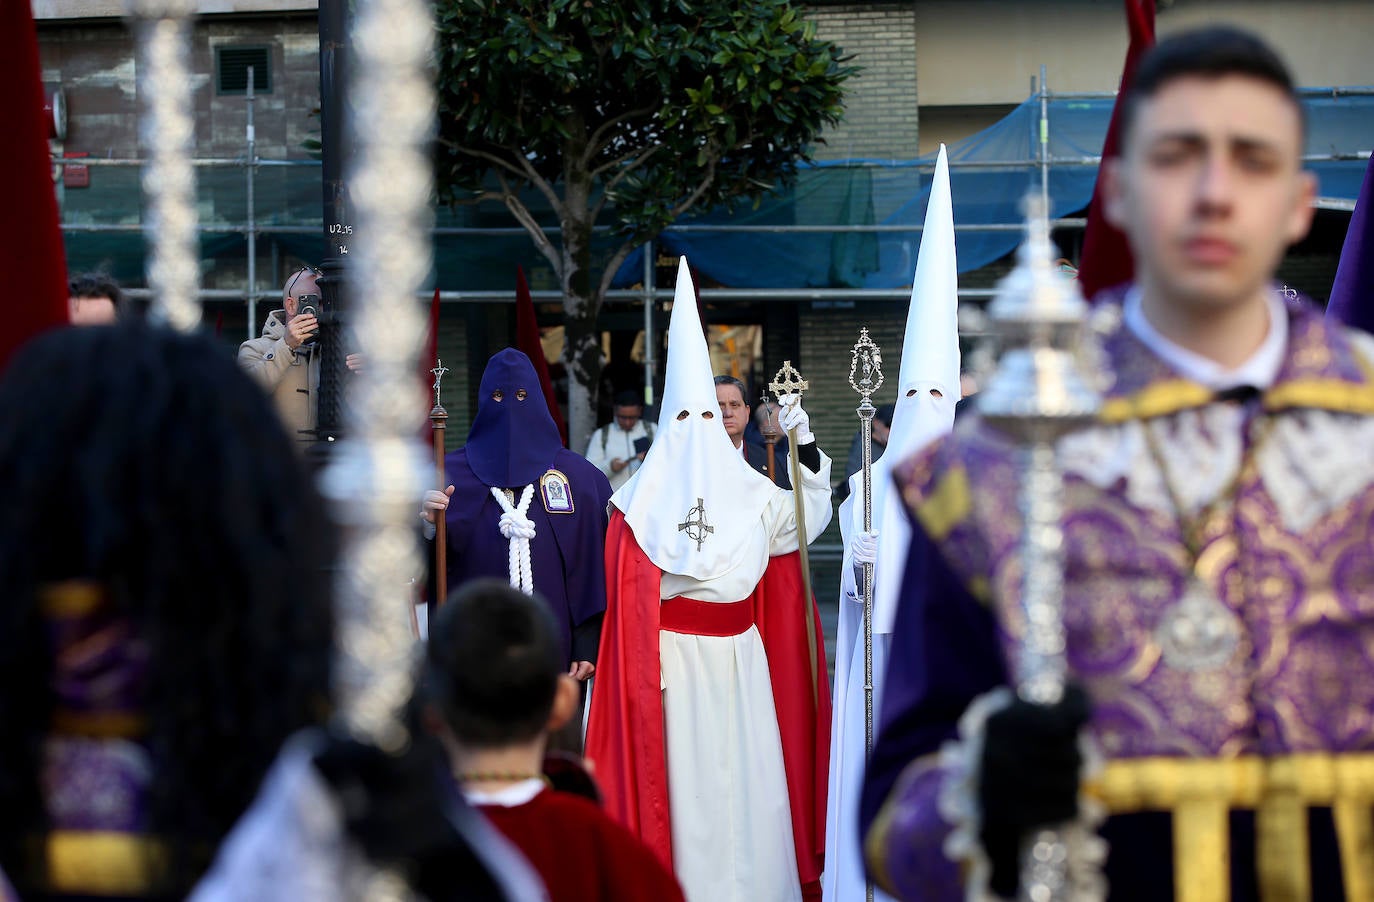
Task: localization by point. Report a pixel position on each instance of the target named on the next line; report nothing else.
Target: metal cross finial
(439, 371)
(866, 361)
(788, 381)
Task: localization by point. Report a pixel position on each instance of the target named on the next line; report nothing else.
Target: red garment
(581, 854)
(31, 253)
(1106, 257)
(625, 741)
(527, 340)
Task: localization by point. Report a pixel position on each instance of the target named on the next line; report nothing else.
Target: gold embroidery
(103, 863)
(72, 598)
(1156, 400)
(947, 505)
(1324, 394)
(1279, 788)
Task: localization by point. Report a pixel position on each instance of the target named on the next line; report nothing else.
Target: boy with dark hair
(494, 690)
(1218, 632)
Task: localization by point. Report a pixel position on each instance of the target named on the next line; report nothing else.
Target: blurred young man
(1219, 616)
(494, 691)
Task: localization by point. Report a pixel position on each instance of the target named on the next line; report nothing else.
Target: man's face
(1209, 190)
(627, 415)
(733, 411)
(91, 311)
(299, 287)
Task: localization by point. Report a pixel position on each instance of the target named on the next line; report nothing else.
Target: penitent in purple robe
(514, 443)
(1287, 555)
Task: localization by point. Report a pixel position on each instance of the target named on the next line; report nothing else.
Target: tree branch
(595, 140)
(639, 159)
(518, 165)
(525, 218)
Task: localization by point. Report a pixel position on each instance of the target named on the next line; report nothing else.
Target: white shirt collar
(1260, 370)
(511, 796)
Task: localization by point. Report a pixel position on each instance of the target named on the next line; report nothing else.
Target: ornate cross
(438, 372)
(696, 530)
(788, 381)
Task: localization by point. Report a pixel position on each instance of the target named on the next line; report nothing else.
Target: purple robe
(567, 553)
(1289, 557)
(513, 442)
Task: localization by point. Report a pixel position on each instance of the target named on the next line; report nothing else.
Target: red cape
(625, 729)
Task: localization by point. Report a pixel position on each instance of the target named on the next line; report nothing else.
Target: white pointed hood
(693, 472)
(930, 363)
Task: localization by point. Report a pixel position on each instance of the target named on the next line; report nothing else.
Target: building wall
(881, 111)
(976, 58)
(93, 64)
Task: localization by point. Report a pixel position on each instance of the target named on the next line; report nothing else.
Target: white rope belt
(519, 529)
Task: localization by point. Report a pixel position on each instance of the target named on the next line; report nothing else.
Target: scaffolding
(250, 200)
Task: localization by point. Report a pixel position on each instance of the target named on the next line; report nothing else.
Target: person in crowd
(495, 689)
(1216, 618)
(153, 658)
(707, 726)
(734, 415)
(95, 299)
(618, 448)
(521, 507)
(285, 359)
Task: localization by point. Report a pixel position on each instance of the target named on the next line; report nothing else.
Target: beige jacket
(290, 377)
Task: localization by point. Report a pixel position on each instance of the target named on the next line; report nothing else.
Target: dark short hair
(97, 285)
(493, 663)
(628, 398)
(731, 380)
(1211, 52)
(885, 412)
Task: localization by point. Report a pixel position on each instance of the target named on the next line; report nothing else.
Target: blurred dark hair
(628, 398)
(493, 663)
(98, 285)
(885, 412)
(145, 461)
(1211, 52)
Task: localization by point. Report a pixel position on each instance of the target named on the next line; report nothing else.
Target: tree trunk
(581, 344)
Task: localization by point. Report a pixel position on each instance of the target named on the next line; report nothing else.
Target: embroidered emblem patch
(556, 493)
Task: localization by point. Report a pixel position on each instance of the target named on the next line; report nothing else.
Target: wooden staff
(438, 420)
(770, 437)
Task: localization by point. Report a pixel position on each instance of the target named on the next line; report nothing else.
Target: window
(231, 69)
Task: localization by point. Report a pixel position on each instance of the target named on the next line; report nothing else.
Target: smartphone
(306, 307)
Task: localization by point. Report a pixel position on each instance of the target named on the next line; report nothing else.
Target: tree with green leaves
(624, 114)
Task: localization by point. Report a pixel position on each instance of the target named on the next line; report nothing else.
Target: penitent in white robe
(731, 820)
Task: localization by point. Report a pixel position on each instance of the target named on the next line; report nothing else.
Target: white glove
(791, 416)
(863, 548)
(515, 525)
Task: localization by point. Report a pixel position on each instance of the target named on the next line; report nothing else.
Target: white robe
(727, 788)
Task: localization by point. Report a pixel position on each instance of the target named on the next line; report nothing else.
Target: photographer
(285, 359)
(618, 448)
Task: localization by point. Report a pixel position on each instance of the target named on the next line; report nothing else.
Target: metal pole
(1037, 395)
(649, 341)
(866, 363)
(338, 230)
(1044, 140)
(251, 188)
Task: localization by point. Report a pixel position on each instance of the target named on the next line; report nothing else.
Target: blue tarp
(871, 192)
(890, 194)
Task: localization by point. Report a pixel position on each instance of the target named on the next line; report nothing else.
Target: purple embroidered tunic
(1278, 489)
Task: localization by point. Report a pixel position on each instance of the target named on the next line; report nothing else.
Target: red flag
(1106, 258)
(527, 340)
(31, 254)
